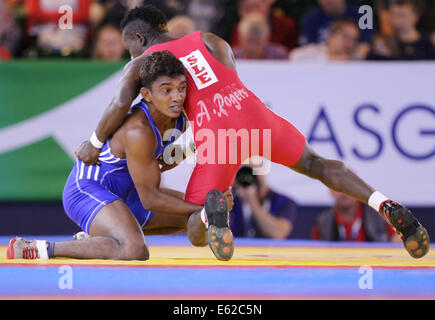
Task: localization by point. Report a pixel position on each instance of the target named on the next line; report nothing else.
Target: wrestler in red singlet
(219, 105)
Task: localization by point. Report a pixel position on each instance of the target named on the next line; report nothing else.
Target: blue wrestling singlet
(90, 188)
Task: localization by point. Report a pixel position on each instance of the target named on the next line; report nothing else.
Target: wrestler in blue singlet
(90, 188)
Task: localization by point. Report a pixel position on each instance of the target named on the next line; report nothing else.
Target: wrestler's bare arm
(116, 111)
(220, 49)
(128, 90)
(139, 143)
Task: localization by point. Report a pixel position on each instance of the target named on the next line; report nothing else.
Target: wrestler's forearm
(164, 203)
(111, 120)
(115, 113)
(175, 193)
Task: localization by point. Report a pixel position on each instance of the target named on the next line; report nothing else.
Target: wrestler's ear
(141, 39)
(146, 94)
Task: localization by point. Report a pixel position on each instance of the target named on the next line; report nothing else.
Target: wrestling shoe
(219, 236)
(414, 236)
(20, 248)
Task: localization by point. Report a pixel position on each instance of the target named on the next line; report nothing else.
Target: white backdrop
(379, 118)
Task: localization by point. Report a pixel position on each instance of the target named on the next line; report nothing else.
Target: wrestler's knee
(200, 241)
(135, 250)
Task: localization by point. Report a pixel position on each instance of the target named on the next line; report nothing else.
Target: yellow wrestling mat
(306, 256)
(265, 269)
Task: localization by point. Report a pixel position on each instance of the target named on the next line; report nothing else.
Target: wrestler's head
(163, 82)
(140, 26)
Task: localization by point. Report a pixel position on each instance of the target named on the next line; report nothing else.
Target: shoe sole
(219, 236)
(10, 251)
(221, 242)
(418, 243)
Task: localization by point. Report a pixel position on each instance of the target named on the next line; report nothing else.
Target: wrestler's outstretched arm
(115, 113)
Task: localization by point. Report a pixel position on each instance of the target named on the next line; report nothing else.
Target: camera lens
(245, 177)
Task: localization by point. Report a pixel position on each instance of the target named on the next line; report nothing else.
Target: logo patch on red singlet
(199, 69)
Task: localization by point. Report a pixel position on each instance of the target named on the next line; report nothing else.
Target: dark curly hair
(157, 64)
(146, 20)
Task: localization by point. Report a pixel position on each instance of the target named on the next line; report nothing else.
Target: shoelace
(385, 210)
(30, 253)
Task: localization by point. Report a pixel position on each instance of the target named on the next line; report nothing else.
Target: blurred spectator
(205, 13)
(351, 220)
(341, 45)
(426, 23)
(224, 27)
(258, 210)
(385, 28)
(316, 22)
(180, 26)
(10, 34)
(254, 37)
(407, 43)
(295, 8)
(109, 45)
(44, 21)
(97, 13)
(383, 48)
(426, 13)
(104, 12)
(170, 8)
(283, 29)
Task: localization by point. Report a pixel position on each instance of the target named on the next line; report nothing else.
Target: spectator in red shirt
(283, 29)
(351, 220)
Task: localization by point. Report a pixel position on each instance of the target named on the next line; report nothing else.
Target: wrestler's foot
(81, 236)
(219, 236)
(20, 248)
(414, 236)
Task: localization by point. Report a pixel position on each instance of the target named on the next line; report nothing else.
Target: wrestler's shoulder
(134, 64)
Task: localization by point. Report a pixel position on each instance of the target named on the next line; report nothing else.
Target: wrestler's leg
(333, 174)
(115, 234)
(206, 186)
(297, 154)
